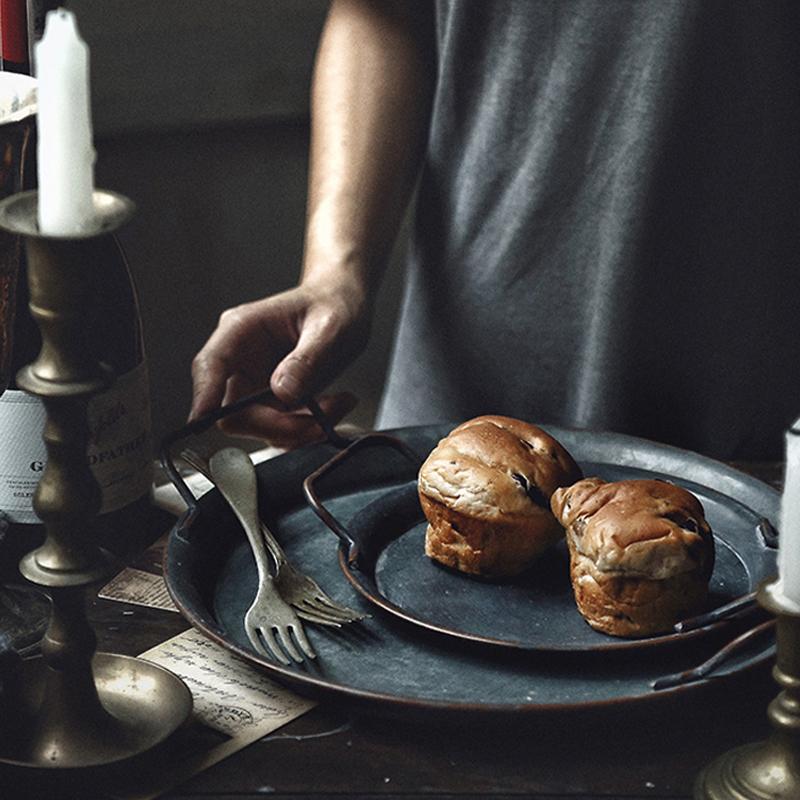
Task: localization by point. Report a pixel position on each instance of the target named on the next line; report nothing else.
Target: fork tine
(329, 612)
(324, 602)
(301, 590)
(310, 616)
(349, 613)
(271, 651)
(288, 645)
(276, 651)
(302, 640)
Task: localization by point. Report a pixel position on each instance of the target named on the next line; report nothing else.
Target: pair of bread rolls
(497, 492)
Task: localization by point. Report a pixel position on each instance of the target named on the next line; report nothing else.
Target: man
(606, 229)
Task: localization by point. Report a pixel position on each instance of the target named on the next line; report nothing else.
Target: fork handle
(234, 476)
(273, 545)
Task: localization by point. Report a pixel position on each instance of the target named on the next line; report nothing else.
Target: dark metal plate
(389, 664)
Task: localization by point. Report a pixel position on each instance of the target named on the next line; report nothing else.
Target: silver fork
(295, 587)
(270, 619)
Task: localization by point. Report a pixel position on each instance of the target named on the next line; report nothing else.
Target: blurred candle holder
(75, 707)
(770, 769)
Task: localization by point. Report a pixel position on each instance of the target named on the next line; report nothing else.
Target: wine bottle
(120, 448)
(14, 36)
(21, 418)
(37, 12)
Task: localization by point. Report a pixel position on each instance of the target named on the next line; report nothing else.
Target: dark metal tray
(397, 666)
(535, 611)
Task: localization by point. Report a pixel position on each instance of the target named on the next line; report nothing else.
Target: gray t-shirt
(608, 222)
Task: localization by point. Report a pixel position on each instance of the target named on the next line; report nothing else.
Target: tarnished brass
(767, 770)
(79, 709)
(64, 376)
(134, 722)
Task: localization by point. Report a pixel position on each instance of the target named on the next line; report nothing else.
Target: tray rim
(397, 704)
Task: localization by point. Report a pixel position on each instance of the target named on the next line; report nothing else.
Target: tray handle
(352, 544)
(191, 429)
(207, 421)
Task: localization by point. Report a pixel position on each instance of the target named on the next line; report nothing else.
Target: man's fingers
(311, 364)
(337, 406)
(288, 429)
(292, 379)
(237, 344)
(209, 375)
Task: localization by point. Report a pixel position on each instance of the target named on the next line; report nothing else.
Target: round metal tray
(390, 664)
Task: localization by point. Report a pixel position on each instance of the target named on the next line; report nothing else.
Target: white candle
(788, 586)
(65, 152)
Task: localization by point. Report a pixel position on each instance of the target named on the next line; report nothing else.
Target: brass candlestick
(77, 708)
(768, 770)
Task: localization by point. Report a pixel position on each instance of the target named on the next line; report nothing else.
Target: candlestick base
(140, 705)
(760, 771)
(767, 770)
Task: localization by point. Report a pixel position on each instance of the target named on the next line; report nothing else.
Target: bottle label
(22, 455)
(119, 450)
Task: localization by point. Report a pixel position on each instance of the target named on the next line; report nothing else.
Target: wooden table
(650, 752)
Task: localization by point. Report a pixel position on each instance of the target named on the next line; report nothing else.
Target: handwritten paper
(234, 705)
(139, 588)
(230, 695)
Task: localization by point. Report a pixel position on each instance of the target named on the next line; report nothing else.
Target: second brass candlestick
(767, 770)
(77, 708)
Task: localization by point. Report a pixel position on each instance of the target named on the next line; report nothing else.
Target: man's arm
(371, 97)
(370, 108)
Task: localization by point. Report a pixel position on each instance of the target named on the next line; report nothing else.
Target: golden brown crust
(641, 553)
(485, 490)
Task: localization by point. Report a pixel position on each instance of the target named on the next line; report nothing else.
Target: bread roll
(485, 491)
(641, 553)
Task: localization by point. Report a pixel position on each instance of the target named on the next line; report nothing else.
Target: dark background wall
(201, 116)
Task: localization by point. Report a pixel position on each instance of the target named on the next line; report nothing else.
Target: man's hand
(295, 342)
